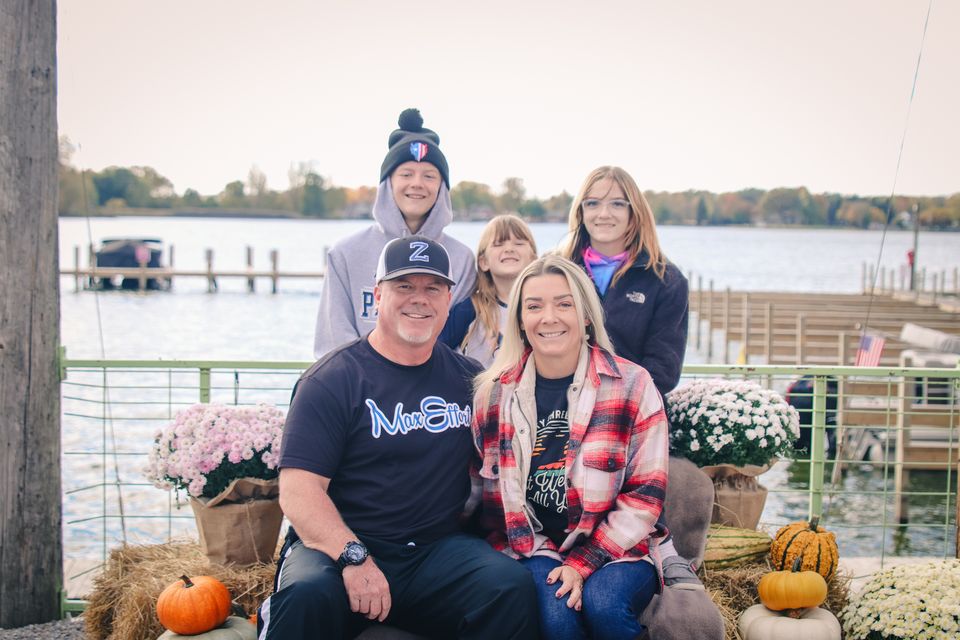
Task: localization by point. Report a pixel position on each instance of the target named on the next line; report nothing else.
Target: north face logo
(636, 296)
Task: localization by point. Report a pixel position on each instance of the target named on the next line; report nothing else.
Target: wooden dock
(88, 277)
(808, 328)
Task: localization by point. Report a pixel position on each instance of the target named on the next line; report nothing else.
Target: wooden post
(883, 279)
(324, 254)
(710, 323)
(251, 281)
(726, 326)
(273, 270)
(768, 331)
(936, 288)
(699, 308)
(901, 476)
(76, 269)
(142, 276)
(91, 264)
(943, 282)
(172, 266)
(956, 281)
(891, 286)
(211, 279)
(801, 322)
(31, 544)
(863, 277)
(745, 342)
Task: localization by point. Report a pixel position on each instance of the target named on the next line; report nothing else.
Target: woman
(473, 326)
(573, 444)
(613, 236)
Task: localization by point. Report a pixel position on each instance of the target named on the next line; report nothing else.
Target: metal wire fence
(879, 458)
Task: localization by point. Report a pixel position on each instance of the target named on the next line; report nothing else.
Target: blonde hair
(641, 232)
(585, 300)
(484, 298)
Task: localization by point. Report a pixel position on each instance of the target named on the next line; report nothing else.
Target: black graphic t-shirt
(393, 439)
(546, 484)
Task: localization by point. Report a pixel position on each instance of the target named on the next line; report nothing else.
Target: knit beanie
(411, 142)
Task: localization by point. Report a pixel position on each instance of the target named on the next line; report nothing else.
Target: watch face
(355, 553)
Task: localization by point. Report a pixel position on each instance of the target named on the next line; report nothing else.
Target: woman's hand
(571, 582)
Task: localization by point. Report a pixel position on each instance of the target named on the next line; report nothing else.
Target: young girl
(613, 236)
(474, 325)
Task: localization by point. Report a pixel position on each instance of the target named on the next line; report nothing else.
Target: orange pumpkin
(792, 590)
(816, 546)
(192, 606)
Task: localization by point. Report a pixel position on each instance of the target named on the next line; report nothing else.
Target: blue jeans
(614, 596)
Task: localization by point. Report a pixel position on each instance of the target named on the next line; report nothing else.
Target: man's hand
(571, 582)
(368, 590)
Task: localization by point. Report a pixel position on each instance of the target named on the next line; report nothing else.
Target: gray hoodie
(346, 301)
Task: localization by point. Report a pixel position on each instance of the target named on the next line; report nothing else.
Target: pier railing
(890, 489)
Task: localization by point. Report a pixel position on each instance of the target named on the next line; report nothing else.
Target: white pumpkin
(760, 623)
(235, 628)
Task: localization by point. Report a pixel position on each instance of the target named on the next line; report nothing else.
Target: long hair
(484, 298)
(641, 231)
(515, 342)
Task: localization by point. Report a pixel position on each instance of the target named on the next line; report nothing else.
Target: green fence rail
(891, 490)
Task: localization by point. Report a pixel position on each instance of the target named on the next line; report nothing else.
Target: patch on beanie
(419, 150)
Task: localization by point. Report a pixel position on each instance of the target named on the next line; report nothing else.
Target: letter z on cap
(414, 255)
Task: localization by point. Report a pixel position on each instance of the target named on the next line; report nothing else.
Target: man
(374, 477)
(413, 198)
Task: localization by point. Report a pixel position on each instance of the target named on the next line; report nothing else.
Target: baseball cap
(414, 255)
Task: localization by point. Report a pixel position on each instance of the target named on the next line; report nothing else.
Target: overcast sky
(684, 95)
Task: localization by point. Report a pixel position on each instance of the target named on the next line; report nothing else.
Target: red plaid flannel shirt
(616, 462)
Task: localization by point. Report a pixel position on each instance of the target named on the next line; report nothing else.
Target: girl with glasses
(613, 236)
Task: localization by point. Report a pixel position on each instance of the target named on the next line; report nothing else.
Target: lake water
(189, 323)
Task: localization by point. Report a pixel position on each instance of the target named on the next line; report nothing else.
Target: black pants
(457, 587)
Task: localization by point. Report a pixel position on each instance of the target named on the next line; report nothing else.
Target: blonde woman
(474, 325)
(572, 442)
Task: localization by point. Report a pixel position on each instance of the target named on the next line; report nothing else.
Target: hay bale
(735, 590)
(123, 603)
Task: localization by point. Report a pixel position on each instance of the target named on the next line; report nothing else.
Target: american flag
(868, 353)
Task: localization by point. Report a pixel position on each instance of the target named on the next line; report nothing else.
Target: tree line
(116, 190)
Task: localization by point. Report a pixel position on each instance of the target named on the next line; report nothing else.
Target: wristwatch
(354, 554)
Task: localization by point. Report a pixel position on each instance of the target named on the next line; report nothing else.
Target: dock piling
(699, 308)
(170, 265)
(76, 268)
(251, 281)
(274, 271)
(211, 279)
(710, 324)
(726, 326)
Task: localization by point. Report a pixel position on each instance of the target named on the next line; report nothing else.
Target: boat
(129, 254)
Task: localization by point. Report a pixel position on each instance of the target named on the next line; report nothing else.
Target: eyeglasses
(616, 205)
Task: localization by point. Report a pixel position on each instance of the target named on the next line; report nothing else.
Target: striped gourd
(730, 547)
(816, 545)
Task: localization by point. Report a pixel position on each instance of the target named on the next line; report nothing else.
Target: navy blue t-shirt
(393, 439)
(546, 484)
